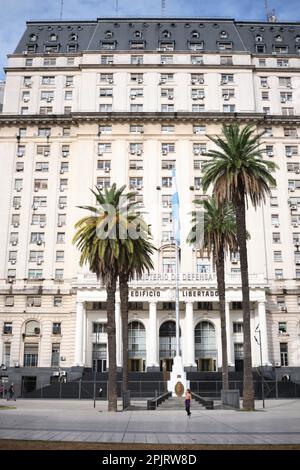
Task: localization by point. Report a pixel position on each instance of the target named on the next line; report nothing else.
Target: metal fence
(149, 389)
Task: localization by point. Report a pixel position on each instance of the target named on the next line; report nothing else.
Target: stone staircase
(174, 403)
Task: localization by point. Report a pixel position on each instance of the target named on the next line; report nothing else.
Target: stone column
(80, 314)
(152, 350)
(263, 332)
(190, 335)
(118, 334)
(228, 334)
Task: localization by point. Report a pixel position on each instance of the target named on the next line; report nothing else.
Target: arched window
(258, 38)
(136, 340)
(32, 328)
(53, 37)
(223, 35)
(73, 37)
(297, 39)
(205, 346)
(166, 34)
(108, 34)
(278, 38)
(195, 34)
(33, 37)
(138, 34)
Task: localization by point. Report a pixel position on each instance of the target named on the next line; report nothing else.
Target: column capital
(189, 302)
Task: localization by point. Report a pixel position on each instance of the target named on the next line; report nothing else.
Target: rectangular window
(278, 274)
(99, 327)
(277, 256)
(56, 326)
(7, 328)
(60, 237)
(57, 302)
(55, 355)
(237, 327)
(33, 301)
(137, 59)
(136, 129)
(9, 301)
(282, 327)
(276, 237)
(284, 359)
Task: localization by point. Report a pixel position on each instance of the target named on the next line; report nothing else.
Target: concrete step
(178, 404)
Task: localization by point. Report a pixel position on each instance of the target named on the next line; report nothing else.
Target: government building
(125, 101)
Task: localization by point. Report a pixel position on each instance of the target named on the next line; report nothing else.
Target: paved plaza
(73, 420)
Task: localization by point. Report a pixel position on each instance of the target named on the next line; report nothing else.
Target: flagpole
(177, 297)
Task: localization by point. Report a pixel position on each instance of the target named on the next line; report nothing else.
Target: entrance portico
(152, 306)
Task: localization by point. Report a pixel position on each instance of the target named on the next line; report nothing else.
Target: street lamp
(95, 365)
(257, 330)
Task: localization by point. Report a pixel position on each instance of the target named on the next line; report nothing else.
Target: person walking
(11, 393)
(187, 402)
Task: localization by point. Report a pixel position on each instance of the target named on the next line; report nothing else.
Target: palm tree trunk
(124, 291)
(220, 267)
(111, 338)
(248, 392)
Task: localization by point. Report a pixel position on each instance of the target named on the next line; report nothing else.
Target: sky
(15, 13)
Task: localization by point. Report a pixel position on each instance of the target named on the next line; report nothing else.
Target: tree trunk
(220, 267)
(248, 392)
(124, 292)
(111, 338)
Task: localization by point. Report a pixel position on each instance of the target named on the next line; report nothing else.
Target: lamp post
(95, 366)
(257, 330)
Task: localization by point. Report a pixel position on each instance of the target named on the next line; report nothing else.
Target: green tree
(100, 238)
(238, 174)
(135, 259)
(215, 234)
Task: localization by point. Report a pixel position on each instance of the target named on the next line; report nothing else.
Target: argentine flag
(175, 209)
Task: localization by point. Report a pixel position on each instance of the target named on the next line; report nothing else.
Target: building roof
(152, 34)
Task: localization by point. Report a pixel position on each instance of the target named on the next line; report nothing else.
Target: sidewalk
(78, 421)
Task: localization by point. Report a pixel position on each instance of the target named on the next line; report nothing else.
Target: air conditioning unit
(132, 97)
(139, 187)
(13, 261)
(14, 242)
(277, 364)
(61, 206)
(193, 81)
(270, 153)
(289, 85)
(19, 189)
(68, 84)
(283, 308)
(36, 330)
(197, 187)
(39, 262)
(39, 242)
(42, 225)
(106, 170)
(288, 154)
(26, 98)
(46, 153)
(164, 152)
(297, 170)
(234, 261)
(62, 172)
(276, 225)
(62, 189)
(100, 154)
(16, 224)
(110, 81)
(59, 224)
(28, 84)
(17, 206)
(65, 154)
(295, 225)
(140, 80)
(49, 99)
(293, 207)
(139, 152)
(226, 97)
(20, 154)
(36, 190)
(298, 262)
(292, 190)
(224, 82)
(132, 151)
(283, 100)
(170, 97)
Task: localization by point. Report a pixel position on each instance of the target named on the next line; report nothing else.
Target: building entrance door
(206, 364)
(136, 365)
(166, 364)
(100, 365)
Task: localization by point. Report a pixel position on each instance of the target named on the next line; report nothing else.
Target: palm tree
(99, 238)
(217, 235)
(134, 261)
(239, 174)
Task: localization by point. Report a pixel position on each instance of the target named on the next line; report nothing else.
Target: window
(28, 62)
(282, 62)
(166, 200)
(197, 60)
(288, 111)
(166, 59)
(59, 273)
(104, 165)
(55, 355)
(282, 328)
(285, 82)
(136, 93)
(228, 108)
(166, 182)
(56, 326)
(260, 48)
(278, 274)
(37, 237)
(195, 46)
(136, 77)
(72, 47)
(167, 129)
(284, 360)
(135, 164)
(57, 302)
(237, 327)
(99, 327)
(33, 301)
(103, 182)
(167, 108)
(60, 256)
(168, 264)
(166, 77)
(290, 132)
(137, 60)
(277, 256)
(274, 201)
(44, 132)
(108, 45)
(197, 79)
(104, 148)
(106, 77)
(136, 108)
(31, 355)
(137, 45)
(49, 62)
(105, 108)
(68, 95)
(168, 164)
(261, 62)
(204, 306)
(70, 60)
(9, 301)
(167, 148)
(24, 110)
(136, 129)
(265, 95)
(136, 182)
(166, 45)
(36, 256)
(105, 129)
(281, 50)
(225, 46)
(236, 305)
(200, 130)
(60, 237)
(107, 59)
(275, 220)
(7, 328)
